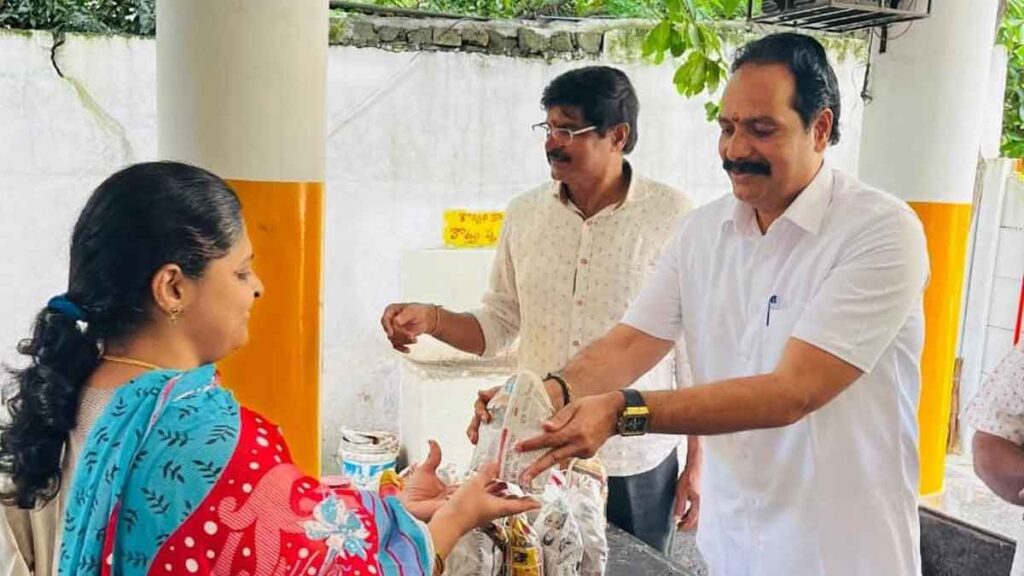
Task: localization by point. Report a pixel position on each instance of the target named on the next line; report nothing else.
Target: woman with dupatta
(120, 426)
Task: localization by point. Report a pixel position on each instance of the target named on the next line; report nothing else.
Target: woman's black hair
(137, 221)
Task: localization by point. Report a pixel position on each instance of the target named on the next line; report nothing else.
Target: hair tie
(62, 305)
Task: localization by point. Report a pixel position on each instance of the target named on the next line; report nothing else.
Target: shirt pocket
(779, 323)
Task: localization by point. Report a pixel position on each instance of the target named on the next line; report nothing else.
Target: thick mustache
(745, 167)
(557, 155)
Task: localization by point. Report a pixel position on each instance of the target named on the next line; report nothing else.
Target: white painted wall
(929, 112)
(1007, 275)
(409, 135)
(56, 144)
(996, 268)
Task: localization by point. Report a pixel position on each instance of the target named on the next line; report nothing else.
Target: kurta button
(583, 261)
(579, 302)
(575, 342)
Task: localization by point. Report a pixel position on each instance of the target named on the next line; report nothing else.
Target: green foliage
(686, 31)
(91, 16)
(137, 17)
(1011, 35)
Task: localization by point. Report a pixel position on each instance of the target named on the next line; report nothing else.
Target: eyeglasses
(560, 135)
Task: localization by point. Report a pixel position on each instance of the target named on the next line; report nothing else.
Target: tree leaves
(686, 33)
(95, 16)
(712, 110)
(1011, 36)
(657, 41)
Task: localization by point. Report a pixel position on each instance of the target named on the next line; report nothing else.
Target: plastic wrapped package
(559, 532)
(478, 553)
(489, 433)
(566, 537)
(528, 408)
(588, 497)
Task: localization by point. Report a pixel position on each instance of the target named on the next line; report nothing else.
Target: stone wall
(544, 39)
(615, 41)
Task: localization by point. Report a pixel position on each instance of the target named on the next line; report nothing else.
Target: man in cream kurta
(573, 254)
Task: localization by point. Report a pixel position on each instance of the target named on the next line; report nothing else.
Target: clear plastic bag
(559, 531)
(528, 409)
(588, 497)
(478, 553)
(567, 536)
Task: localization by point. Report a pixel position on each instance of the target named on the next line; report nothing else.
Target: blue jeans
(642, 504)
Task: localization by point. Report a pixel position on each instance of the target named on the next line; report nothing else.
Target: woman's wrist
(446, 528)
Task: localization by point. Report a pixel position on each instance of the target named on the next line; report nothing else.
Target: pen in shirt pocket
(773, 304)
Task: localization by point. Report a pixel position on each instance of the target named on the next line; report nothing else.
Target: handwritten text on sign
(468, 229)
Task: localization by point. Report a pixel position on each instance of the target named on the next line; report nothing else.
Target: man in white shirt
(997, 414)
(799, 298)
(573, 254)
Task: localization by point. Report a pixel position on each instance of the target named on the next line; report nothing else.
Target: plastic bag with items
(587, 491)
(559, 530)
(481, 552)
(518, 411)
(567, 536)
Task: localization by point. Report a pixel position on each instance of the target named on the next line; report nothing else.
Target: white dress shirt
(560, 282)
(844, 269)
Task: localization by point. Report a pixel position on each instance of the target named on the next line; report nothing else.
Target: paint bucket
(366, 455)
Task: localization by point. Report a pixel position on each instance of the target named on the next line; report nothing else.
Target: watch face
(633, 425)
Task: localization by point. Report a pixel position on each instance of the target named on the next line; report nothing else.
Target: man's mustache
(557, 155)
(747, 167)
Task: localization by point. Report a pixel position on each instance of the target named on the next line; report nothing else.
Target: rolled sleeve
(864, 301)
(499, 316)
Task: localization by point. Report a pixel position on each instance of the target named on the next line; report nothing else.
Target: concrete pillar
(241, 92)
(920, 140)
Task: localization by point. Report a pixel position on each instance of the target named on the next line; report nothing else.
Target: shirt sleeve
(865, 299)
(657, 309)
(498, 314)
(998, 407)
(683, 371)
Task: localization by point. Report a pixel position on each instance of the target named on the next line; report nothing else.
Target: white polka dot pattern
(998, 407)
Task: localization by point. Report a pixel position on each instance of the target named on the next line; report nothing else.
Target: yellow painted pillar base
(946, 226)
(278, 372)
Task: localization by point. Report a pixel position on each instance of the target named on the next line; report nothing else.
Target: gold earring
(175, 312)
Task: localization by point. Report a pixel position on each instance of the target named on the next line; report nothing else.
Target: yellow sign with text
(468, 229)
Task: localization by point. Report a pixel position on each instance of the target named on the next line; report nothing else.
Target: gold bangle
(437, 321)
(438, 564)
